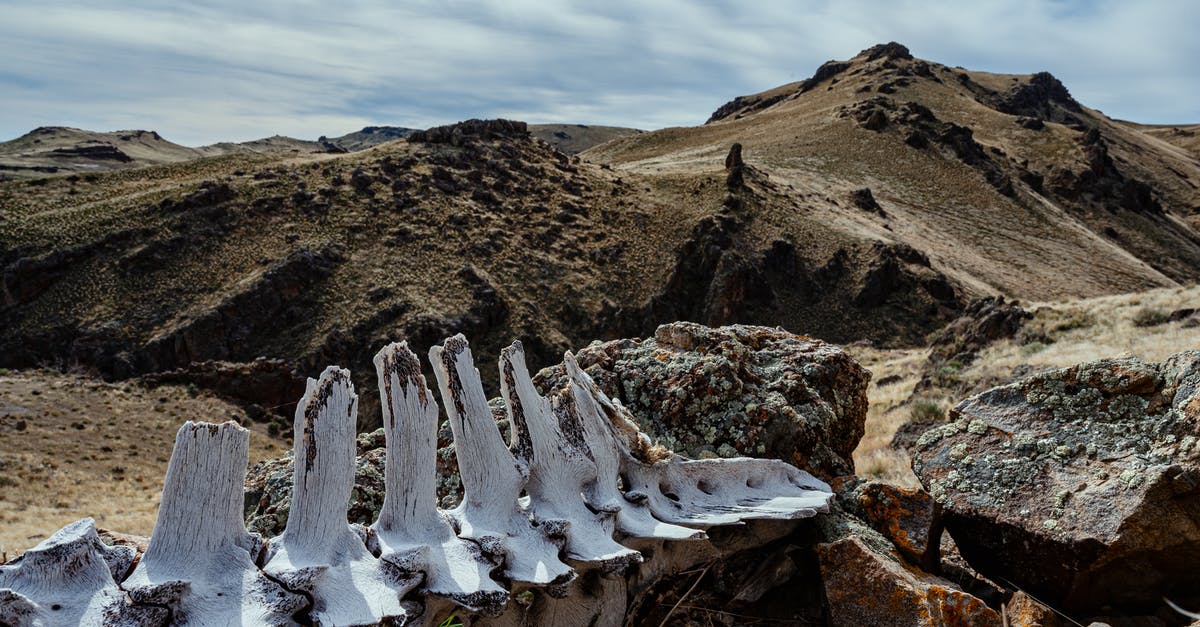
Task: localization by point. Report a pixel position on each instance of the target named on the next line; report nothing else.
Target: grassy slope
(1035, 248)
(1081, 330)
(71, 446)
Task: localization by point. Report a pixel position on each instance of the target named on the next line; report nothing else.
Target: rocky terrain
(1063, 498)
(874, 201)
(961, 235)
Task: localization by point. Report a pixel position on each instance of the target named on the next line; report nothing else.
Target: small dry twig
(685, 595)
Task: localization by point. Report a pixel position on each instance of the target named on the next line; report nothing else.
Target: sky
(204, 71)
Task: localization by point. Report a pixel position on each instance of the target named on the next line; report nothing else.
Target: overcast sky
(215, 70)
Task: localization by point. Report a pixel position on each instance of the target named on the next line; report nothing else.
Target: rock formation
(1080, 485)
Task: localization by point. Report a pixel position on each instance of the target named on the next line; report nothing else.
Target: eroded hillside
(873, 201)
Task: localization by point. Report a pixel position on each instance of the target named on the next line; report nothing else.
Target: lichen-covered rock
(866, 583)
(1080, 485)
(910, 519)
(736, 391)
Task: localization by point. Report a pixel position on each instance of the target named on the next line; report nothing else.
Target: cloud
(216, 70)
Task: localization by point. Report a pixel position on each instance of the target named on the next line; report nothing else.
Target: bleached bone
(562, 468)
(319, 553)
(708, 492)
(70, 579)
(634, 519)
(492, 477)
(200, 560)
(412, 534)
(588, 471)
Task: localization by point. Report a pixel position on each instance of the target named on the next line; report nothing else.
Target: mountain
(872, 201)
(54, 149)
(61, 150)
(1005, 183)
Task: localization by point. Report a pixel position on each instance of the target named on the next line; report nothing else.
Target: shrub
(926, 411)
(1149, 317)
(1033, 347)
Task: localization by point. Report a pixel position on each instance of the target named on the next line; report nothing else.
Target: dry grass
(72, 447)
(1071, 332)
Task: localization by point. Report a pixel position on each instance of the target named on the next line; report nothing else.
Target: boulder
(1081, 485)
(908, 518)
(866, 583)
(737, 390)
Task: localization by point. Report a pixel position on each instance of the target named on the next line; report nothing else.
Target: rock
(1043, 96)
(985, 321)
(899, 270)
(909, 519)
(873, 120)
(866, 584)
(890, 50)
(1080, 485)
(865, 200)
(466, 131)
(1181, 314)
(1033, 124)
(735, 168)
(736, 390)
(1023, 610)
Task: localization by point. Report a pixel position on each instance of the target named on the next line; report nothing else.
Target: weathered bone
(492, 477)
(200, 560)
(411, 533)
(561, 469)
(70, 579)
(319, 553)
(570, 450)
(634, 519)
(707, 492)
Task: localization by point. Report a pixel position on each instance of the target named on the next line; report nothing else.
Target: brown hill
(870, 202)
(1005, 182)
(576, 138)
(61, 150)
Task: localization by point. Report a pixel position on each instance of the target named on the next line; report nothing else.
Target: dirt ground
(72, 446)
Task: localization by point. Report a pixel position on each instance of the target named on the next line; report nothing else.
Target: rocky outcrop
(468, 130)
(1043, 97)
(227, 332)
(866, 583)
(901, 270)
(890, 50)
(736, 390)
(986, 321)
(865, 200)
(1080, 485)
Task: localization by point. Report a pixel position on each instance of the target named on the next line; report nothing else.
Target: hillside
(71, 446)
(576, 138)
(871, 202)
(60, 150)
(1006, 183)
